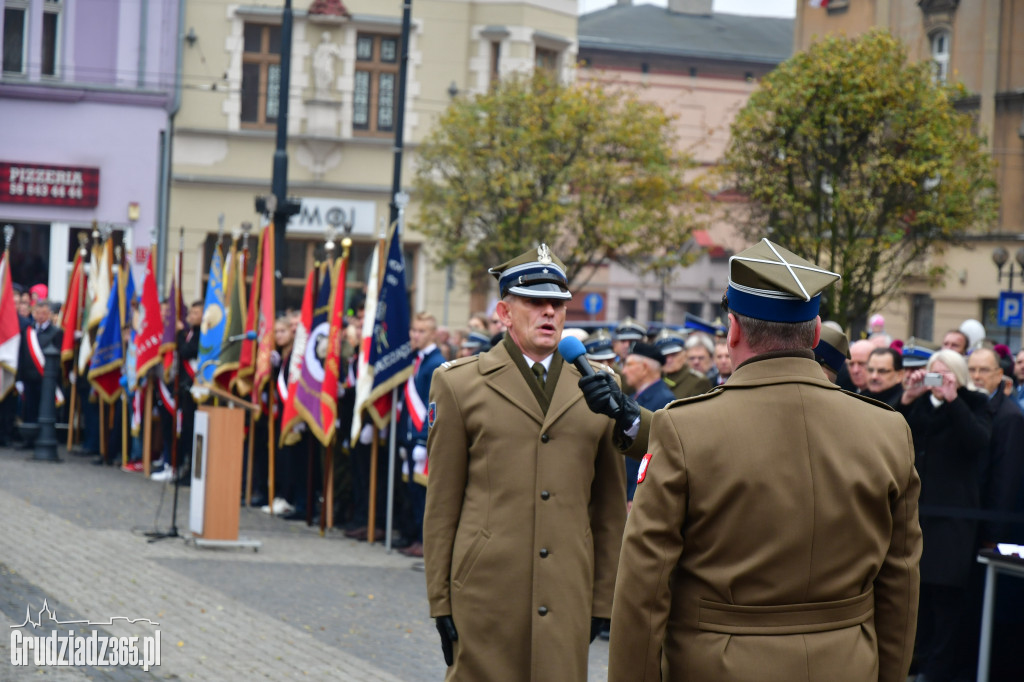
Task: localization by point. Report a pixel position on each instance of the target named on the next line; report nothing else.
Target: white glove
(20, 386)
(403, 453)
(71, 377)
(419, 454)
(366, 435)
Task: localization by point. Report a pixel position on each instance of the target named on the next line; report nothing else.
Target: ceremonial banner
(290, 378)
(265, 319)
(390, 355)
(151, 325)
(332, 364)
(364, 379)
(99, 283)
(10, 329)
(107, 359)
(71, 319)
(247, 353)
(211, 330)
(227, 367)
(174, 314)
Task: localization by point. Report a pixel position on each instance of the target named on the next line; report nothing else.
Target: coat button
(545, 438)
(543, 610)
(544, 494)
(543, 553)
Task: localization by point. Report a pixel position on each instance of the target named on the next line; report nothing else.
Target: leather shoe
(414, 550)
(400, 542)
(378, 535)
(356, 533)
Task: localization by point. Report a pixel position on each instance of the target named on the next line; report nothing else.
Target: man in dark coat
(680, 378)
(36, 336)
(885, 376)
(643, 370)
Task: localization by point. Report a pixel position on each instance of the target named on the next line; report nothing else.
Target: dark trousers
(938, 647)
(8, 410)
(30, 402)
(361, 483)
(418, 504)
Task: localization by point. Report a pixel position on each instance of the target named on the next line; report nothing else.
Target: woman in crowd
(950, 424)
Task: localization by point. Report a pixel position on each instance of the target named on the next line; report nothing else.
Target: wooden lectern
(217, 472)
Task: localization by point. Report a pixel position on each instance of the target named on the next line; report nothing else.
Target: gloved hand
(446, 628)
(419, 454)
(604, 396)
(597, 625)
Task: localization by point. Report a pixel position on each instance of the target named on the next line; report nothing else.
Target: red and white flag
(10, 330)
(151, 324)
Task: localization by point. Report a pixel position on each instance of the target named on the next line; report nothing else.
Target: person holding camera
(950, 422)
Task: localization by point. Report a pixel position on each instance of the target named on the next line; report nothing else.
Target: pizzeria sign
(25, 183)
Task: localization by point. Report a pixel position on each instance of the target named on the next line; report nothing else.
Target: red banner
(33, 183)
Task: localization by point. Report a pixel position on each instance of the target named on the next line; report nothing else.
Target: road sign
(1011, 308)
(593, 303)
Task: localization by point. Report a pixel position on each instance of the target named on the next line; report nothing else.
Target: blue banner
(390, 352)
(211, 330)
(107, 358)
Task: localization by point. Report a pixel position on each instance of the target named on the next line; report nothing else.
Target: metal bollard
(46, 444)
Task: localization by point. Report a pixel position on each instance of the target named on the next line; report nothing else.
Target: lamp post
(1000, 256)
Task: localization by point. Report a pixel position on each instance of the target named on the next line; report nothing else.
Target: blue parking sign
(593, 303)
(1011, 308)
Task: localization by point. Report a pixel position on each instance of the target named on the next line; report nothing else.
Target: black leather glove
(604, 396)
(446, 628)
(597, 625)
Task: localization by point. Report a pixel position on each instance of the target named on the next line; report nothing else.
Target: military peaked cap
(535, 274)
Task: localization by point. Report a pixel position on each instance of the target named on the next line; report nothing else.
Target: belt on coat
(785, 619)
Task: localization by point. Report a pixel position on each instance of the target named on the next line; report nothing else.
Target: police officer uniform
(525, 506)
(599, 349)
(774, 534)
(684, 382)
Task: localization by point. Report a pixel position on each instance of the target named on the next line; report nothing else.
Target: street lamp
(1000, 256)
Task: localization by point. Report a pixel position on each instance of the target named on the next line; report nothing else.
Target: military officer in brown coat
(526, 501)
(679, 377)
(774, 533)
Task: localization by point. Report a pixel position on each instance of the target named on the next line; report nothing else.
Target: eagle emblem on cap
(544, 254)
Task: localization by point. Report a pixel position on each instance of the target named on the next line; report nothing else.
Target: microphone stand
(173, 531)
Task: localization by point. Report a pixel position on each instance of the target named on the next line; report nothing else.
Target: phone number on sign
(39, 190)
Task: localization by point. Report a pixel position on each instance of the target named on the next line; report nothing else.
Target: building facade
(84, 97)
(700, 66)
(341, 118)
(977, 43)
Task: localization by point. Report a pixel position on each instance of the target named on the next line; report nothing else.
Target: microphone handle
(586, 370)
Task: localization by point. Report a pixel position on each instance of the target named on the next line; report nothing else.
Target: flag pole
(118, 253)
(371, 527)
(246, 227)
(391, 466)
(270, 444)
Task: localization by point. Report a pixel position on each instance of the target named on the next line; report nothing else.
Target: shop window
(15, 43)
(376, 83)
(261, 75)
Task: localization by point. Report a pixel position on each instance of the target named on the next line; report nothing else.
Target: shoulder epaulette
(715, 390)
(696, 373)
(460, 362)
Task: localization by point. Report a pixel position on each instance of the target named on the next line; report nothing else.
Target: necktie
(538, 371)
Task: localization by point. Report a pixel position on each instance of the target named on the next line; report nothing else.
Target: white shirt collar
(546, 362)
(426, 351)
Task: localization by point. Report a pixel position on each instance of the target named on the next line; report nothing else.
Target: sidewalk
(302, 607)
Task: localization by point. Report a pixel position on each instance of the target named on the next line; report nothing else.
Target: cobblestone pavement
(303, 606)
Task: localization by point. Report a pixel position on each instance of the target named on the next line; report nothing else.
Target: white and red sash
(413, 402)
(35, 350)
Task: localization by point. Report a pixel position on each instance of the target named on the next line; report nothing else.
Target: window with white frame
(15, 37)
(52, 11)
(940, 55)
(261, 74)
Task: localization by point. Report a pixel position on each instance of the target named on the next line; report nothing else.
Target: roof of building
(656, 30)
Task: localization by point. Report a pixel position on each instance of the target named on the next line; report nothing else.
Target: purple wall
(95, 41)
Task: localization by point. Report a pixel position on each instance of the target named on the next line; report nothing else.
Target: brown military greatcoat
(774, 537)
(687, 383)
(524, 519)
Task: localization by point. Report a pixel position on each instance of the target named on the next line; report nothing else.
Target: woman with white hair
(950, 423)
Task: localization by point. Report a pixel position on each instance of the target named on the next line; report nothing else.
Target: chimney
(699, 7)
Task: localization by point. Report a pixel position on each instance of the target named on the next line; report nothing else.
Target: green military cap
(670, 341)
(833, 348)
(630, 330)
(768, 282)
(538, 273)
(599, 345)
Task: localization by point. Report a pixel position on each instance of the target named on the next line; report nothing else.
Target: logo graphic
(64, 648)
(643, 469)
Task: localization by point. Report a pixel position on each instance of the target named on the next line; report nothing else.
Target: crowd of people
(476, 395)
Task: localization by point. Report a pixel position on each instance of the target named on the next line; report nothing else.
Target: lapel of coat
(501, 374)
(566, 394)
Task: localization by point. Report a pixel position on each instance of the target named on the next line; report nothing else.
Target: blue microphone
(572, 350)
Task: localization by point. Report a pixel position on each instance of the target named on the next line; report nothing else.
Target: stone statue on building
(323, 65)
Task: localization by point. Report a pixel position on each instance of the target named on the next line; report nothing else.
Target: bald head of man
(858, 363)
